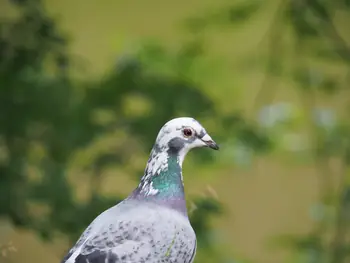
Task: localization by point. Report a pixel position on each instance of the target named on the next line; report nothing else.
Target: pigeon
(151, 225)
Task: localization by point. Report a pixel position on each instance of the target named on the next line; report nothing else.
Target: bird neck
(168, 181)
(162, 181)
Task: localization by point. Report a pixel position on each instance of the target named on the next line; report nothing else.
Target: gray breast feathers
(136, 234)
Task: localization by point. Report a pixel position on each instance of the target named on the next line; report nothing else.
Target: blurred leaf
(311, 241)
(41, 105)
(204, 208)
(232, 14)
(255, 139)
(321, 7)
(243, 11)
(329, 86)
(302, 76)
(303, 21)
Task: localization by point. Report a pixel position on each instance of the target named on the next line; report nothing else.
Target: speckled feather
(136, 232)
(151, 225)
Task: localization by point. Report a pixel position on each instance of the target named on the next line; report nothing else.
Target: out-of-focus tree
(46, 117)
(320, 68)
(306, 46)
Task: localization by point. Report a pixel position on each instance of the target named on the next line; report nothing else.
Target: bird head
(180, 135)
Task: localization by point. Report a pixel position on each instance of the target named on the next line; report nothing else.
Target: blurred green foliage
(46, 116)
(317, 42)
(43, 108)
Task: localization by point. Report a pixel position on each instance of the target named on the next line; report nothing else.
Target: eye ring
(187, 132)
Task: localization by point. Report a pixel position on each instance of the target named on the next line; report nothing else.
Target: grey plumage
(151, 225)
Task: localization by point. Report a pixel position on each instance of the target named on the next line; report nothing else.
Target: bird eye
(187, 132)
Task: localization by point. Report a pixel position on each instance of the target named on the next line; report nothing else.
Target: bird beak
(209, 142)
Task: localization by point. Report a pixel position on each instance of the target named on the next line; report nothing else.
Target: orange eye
(187, 132)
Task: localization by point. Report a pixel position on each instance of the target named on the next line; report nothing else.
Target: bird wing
(116, 244)
(128, 251)
(135, 235)
(193, 253)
